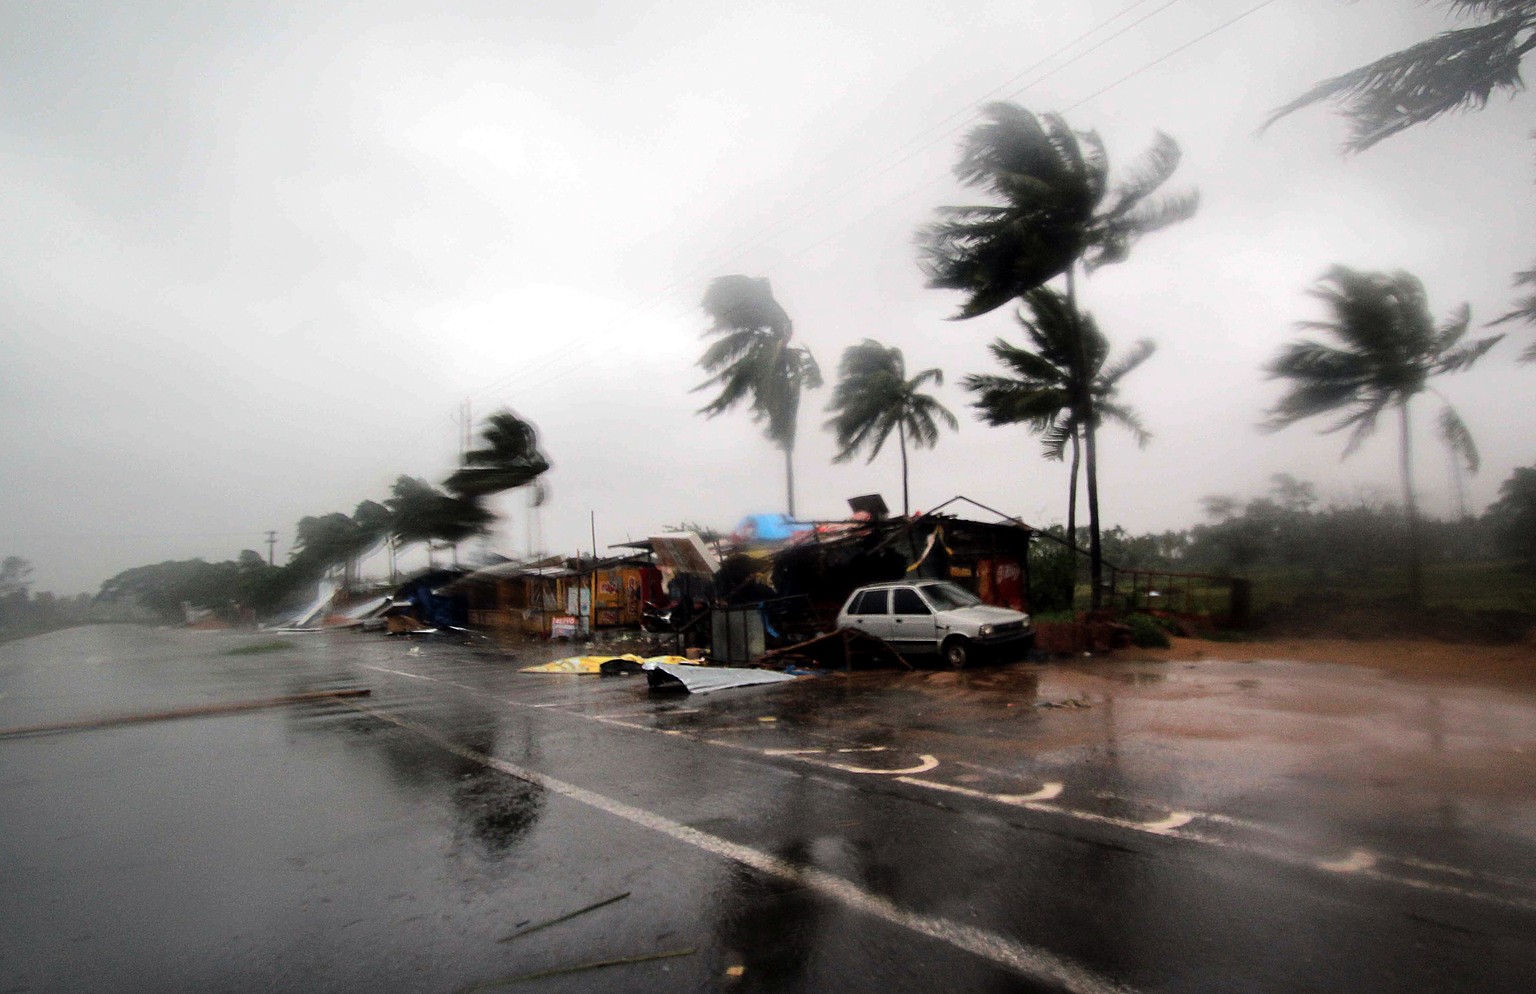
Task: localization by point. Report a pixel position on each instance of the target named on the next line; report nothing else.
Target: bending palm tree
(1388, 349)
(874, 397)
(752, 361)
(423, 513)
(1055, 209)
(1453, 71)
(1062, 390)
(510, 459)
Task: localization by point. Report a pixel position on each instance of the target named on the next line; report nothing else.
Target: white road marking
(925, 763)
(1036, 802)
(1175, 819)
(1045, 793)
(1353, 863)
(1030, 961)
(413, 676)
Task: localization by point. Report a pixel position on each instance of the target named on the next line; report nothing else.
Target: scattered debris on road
(1070, 702)
(578, 968)
(708, 679)
(564, 918)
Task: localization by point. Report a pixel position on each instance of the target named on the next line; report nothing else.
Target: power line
(856, 181)
(657, 298)
(1171, 53)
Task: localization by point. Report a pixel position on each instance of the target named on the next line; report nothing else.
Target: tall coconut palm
(1062, 391)
(1054, 209)
(1456, 70)
(753, 362)
(509, 459)
(874, 397)
(1387, 350)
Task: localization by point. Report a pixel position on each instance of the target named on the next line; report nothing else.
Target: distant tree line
(415, 512)
(1048, 213)
(1290, 528)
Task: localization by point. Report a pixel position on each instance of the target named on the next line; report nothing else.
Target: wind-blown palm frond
(1057, 208)
(509, 459)
(1387, 350)
(1525, 309)
(874, 397)
(1459, 439)
(1061, 385)
(1456, 70)
(753, 362)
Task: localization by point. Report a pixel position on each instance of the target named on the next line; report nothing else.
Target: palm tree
(1062, 390)
(1388, 349)
(510, 459)
(1055, 209)
(423, 513)
(874, 396)
(1455, 70)
(753, 361)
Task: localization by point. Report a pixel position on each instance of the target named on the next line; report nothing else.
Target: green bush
(1146, 633)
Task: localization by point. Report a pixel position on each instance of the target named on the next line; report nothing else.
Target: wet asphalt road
(891, 832)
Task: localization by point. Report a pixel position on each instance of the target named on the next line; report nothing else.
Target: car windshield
(947, 596)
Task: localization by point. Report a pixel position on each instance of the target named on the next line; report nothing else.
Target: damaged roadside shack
(773, 598)
(989, 559)
(561, 597)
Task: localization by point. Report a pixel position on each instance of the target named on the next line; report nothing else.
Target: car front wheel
(957, 652)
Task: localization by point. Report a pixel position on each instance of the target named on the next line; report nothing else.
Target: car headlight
(984, 631)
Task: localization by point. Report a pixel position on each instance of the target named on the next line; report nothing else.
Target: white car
(936, 616)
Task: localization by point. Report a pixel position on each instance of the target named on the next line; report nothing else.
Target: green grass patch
(258, 648)
(1479, 586)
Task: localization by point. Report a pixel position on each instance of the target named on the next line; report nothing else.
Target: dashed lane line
(1029, 961)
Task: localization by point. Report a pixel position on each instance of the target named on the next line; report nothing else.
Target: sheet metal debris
(708, 679)
(595, 664)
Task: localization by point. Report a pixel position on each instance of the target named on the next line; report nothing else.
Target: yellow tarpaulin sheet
(594, 664)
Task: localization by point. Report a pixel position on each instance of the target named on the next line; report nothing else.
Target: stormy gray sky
(255, 255)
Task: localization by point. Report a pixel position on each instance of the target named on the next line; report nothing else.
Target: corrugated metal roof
(708, 679)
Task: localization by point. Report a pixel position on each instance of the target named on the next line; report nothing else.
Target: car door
(869, 612)
(911, 625)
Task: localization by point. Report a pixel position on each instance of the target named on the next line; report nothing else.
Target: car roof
(927, 580)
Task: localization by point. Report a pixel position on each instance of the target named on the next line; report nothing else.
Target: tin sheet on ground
(707, 679)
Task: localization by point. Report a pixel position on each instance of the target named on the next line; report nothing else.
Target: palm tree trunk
(789, 476)
(1410, 508)
(901, 435)
(1095, 553)
(1072, 515)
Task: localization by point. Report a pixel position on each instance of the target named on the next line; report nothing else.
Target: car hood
(984, 614)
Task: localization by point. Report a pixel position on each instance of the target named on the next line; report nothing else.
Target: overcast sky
(255, 255)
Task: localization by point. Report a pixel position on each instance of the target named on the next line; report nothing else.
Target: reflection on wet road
(1256, 827)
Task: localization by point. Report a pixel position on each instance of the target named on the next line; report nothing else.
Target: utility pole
(465, 423)
(271, 544)
(467, 442)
